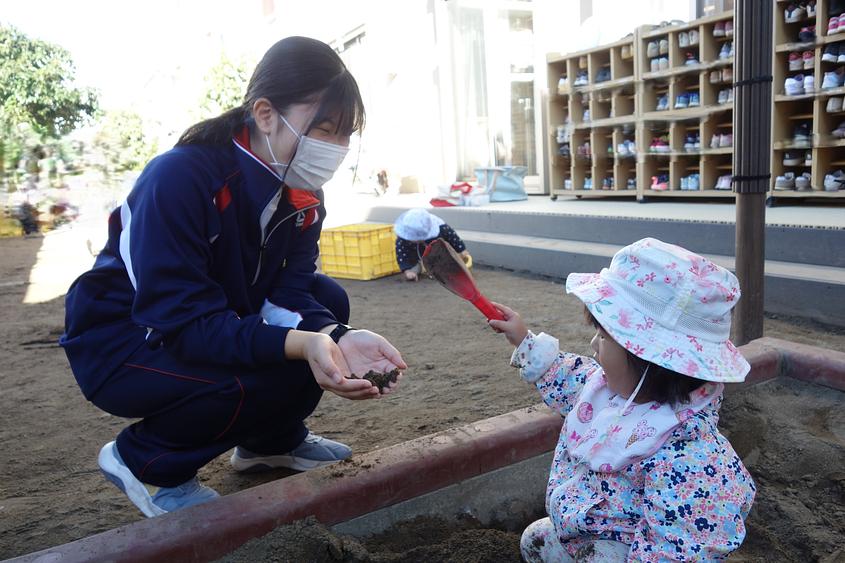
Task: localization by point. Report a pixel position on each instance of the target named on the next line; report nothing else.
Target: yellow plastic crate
(363, 251)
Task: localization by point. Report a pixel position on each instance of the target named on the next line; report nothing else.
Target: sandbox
(492, 472)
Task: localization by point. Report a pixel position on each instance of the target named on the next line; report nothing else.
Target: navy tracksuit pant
(191, 413)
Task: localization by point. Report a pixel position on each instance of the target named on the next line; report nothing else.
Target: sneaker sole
(260, 464)
(123, 479)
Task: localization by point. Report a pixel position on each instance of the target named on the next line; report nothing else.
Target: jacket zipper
(266, 240)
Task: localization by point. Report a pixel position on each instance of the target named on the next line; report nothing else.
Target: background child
(414, 229)
(641, 472)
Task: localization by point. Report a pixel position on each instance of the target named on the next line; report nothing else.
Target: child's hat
(668, 306)
(417, 224)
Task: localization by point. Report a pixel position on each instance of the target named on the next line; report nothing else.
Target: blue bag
(503, 183)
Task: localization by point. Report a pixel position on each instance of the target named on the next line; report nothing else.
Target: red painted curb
(333, 494)
(812, 364)
(764, 358)
(384, 477)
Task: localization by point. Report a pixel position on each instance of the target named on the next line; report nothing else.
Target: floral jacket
(686, 502)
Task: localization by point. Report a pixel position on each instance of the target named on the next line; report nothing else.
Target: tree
(225, 85)
(122, 144)
(36, 89)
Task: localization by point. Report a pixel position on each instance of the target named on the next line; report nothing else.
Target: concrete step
(793, 244)
(803, 290)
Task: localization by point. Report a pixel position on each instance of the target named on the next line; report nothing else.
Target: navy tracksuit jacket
(169, 325)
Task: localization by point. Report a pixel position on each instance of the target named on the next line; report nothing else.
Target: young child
(414, 229)
(641, 472)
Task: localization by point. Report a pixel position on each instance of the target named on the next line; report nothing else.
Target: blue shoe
(315, 451)
(151, 500)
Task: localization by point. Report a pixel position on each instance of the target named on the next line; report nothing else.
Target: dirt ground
(51, 490)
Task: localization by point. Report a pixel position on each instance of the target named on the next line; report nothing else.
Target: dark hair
(661, 384)
(294, 70)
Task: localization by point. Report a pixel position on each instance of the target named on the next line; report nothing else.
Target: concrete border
(383, 478)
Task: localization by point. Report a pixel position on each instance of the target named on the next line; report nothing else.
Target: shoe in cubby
(809, 83)
(785, 182)
(660, 182)
(693, 37)
(723, 182)
(660, 145)
(809, 59)
(808, 34)
(603, 75)
(794, 13)
(835, 25)
(833, 79)
(691, 59)
(803, 182)
(793, 158)
(834, 181)
(803, 134)
(795, 61)
(694, 100)
(834, 104)
(719, 29)
(830, 55)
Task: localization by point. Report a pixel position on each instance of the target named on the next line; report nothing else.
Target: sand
(51, 490)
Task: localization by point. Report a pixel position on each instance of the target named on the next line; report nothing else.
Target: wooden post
(751, 159)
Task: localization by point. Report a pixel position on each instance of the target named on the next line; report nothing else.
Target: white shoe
(785, 182)
(831, 183)
(809, 84)
(793, 86)
(802, 182)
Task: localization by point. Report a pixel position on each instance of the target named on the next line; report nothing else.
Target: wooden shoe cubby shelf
(593, 108)
(623, 109)
(807, 111)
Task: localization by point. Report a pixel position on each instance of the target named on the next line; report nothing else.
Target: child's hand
(411, 275)
(513, 327)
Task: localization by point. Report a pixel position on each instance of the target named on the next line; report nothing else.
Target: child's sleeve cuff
(535, 355)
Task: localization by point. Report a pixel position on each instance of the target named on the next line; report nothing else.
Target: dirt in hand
(379, 379)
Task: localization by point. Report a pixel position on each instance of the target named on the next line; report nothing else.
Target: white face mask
(313, 164)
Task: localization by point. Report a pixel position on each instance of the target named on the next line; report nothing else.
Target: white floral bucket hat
(417, 224)
(667, 306)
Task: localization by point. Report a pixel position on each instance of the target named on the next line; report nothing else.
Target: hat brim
(644, 337)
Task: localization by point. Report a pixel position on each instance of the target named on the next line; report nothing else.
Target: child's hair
(661, 384)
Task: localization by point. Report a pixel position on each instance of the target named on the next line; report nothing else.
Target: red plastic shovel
(444, 264)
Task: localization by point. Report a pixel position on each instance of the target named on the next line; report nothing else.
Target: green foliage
(121, 143)
(225, 85)
(36, 87)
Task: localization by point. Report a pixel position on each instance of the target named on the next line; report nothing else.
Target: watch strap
(338, 331)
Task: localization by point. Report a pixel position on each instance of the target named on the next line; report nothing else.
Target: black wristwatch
(338, 331)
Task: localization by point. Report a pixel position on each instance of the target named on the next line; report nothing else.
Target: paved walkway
(351, 207)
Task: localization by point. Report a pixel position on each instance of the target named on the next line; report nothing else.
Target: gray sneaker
(151, 500)
(315, 451)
